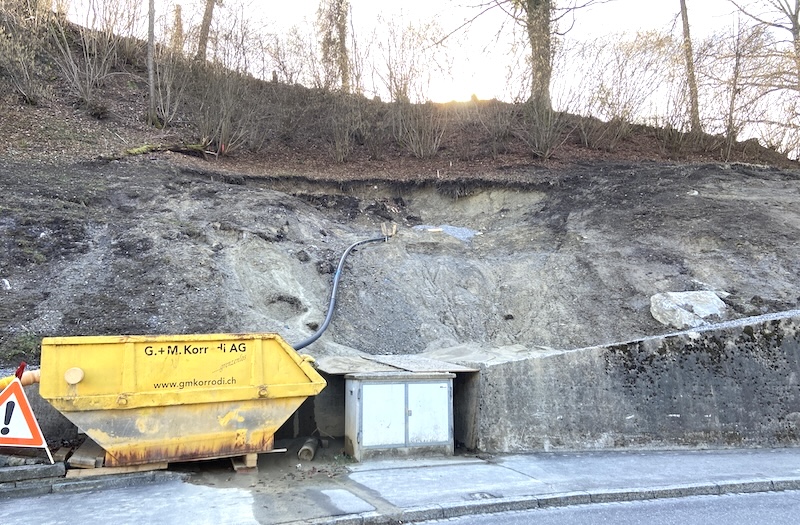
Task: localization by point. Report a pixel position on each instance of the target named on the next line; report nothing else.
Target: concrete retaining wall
(732, 384)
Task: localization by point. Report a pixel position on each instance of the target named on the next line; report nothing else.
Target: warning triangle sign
(18, 426)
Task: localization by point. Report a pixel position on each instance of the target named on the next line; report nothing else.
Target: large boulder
(686, 309)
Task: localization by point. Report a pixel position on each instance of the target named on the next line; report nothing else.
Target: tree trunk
(537, 24)
(342, 8)
(205, 27)
(731, 132)
(795, 22)
(797, 60)
(332, 18)
(176, 38)
(694, 103)
(152, 118)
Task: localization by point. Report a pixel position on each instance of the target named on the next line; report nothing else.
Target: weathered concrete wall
(329, 406)
(732, 384)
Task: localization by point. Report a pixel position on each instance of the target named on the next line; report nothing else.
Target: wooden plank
(88, 455)
(251, 460)
(62, 454)
(246, 463)
(105, 471)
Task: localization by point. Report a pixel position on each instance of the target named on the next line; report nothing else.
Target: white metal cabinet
(398, 413)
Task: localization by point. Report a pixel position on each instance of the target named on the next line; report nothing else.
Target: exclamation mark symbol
(9, 411)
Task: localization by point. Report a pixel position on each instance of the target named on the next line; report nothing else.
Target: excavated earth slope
(566, 259)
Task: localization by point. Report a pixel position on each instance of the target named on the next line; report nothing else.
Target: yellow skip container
(148, 399)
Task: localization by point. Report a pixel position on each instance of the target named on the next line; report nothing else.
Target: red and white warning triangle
(18, 426)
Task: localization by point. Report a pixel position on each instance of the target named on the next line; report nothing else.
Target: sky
(480, 62)
(618, 16)
(705, 16)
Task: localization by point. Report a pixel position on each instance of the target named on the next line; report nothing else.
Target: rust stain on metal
(152, 454)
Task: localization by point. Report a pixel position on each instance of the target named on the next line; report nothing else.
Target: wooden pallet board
(246, 463)
(62, 454)
(88, 455)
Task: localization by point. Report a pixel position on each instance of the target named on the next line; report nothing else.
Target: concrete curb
(60, 485)
(30, 472)
(566, 499)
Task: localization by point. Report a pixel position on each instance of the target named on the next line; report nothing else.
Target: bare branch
(786, 9)
(574, 7)
(466, 23)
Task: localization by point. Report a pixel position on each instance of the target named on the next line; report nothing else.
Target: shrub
(85, 59)
(541, 129)
(419, 127)
(497, 119)
(342, 124)
(19, 46)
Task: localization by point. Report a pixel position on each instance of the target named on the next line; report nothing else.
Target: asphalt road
(768, 508)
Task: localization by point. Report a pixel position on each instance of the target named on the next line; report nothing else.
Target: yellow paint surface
(125, 372)
(177, 397)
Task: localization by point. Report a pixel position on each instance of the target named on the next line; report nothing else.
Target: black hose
(336, 276)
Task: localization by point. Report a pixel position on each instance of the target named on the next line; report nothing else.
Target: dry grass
(272, 129)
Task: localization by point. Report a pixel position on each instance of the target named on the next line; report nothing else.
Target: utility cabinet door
(428, 413)
(383, 415)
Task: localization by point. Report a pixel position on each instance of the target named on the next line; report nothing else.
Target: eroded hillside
(564, 257)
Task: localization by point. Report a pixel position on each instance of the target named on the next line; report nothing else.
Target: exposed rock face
(563, 258)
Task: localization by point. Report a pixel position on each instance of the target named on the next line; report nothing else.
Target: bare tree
(621, 78)
(779, 74)
(205, 27)
(783, 15)
(332, 17)
(732, 125)
(731, 66)
(540, 20)
(694, 104)
(100, 47)
(151, 67)
(284, 56)
(176, 37)
(537, 17)
(406, 59)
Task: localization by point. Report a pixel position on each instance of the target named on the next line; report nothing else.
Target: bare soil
(539, 255)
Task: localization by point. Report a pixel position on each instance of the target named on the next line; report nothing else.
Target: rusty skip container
(148, 399)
